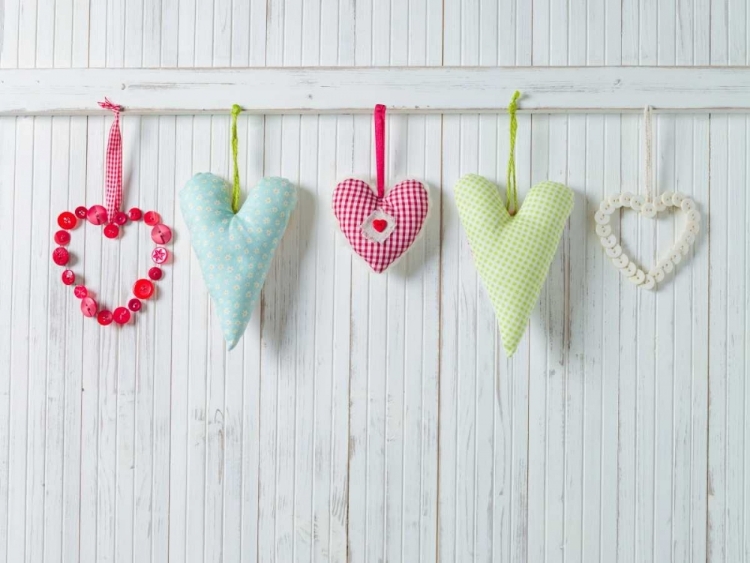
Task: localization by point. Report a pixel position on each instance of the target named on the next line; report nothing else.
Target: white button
(621, 261)
(626, 198)
(649, 283)
(601, 218)
(629, 270)
(648, 210)
(687, 205)
(677, 199)
(693, 227)
(608, 242)
(603, 230)
(614, 201)
(657, 273)
(683, 247)
(636, 202)
(675, 257)
(667, 266)
(638, 278)
(693, 216)
(606, 207)
(659, 205)
(666, 198)
(688, 237)
(614, 252)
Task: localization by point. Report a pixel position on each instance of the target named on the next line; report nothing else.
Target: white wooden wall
(365, 417)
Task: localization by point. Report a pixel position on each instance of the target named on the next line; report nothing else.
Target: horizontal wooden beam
(346, 90)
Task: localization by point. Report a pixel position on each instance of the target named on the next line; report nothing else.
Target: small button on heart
(97, 215)
(629, 270)
(603, 230)
(104, 317)
(161, 234)
(687, 205)
(155, 273)
(666, 198)
(379, 225)
(67, 220)
(626, 199)
(159, 255)
(649, 283)
(667, 266)
(151, 218)
(68, 277)
(677, 199)
(648, 210)
(143, 289)
(608, 242)
(62, 237)
(657, 273)
(121, 315)
(60, 256)
(636, 202)
(88, 307)
(614, 252)
(120, 218)
(135, 305)
(80, 291)
(606, 207)
(135, 214)
(601, 218)
(638, 278)
(81, 212)
(111, 231)
(621, 261)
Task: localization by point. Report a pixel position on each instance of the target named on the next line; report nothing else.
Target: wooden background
(365, 417)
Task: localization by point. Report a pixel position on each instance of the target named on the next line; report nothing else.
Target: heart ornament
(235, 245)
(112, 220)
(512, 250)
(648, 206)
(379, 227)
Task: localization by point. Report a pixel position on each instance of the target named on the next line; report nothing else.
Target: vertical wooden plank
(11, 29)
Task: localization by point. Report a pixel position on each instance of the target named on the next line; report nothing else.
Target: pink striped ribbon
(113, 186)
(380, 147)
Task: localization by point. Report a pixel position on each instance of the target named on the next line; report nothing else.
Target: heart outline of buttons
(649, 209)
(93, 215)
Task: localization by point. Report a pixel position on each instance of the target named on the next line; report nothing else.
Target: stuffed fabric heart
(512, 254)
(380, 229)
(235, 250)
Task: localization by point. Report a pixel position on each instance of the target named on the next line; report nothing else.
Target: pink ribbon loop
(380, 147)
(113, 185)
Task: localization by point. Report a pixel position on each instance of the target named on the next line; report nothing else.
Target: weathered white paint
(364, 417)
(356, 90)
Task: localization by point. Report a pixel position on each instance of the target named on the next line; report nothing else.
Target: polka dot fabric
(235, 251)
(512, 254)
(406, 204)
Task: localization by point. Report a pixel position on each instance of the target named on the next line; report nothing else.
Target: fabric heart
(235, 250)
(380, 230)
(512, 253)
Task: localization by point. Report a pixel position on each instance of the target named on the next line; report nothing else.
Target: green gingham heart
(512, 254)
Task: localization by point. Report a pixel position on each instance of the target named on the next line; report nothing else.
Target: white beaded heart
(648, 209)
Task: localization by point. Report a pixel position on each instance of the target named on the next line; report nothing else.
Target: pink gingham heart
(380, 230)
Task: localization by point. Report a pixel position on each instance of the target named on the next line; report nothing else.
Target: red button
(155, 273)
(143, 289)
(68, 277)
(60, 256)
(159, 255)
(151, 218)
(122, 315)
(120, 218)
(135, 214)
(161, 234)
(104, 317)
(67, 220)
(111, 231)
(88, 307)
(62, 237)
(81, 212)
(97, 215)
(80, 291)
(134, 305)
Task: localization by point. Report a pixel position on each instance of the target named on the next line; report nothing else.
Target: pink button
(80, 291)
(97, 215)
(60, 256)
(151, 218)
(81, 212)
(88, 307)
(161, 234)
(68, 277)
(62, 237)
(134, 305)
(135, 214)
(143, 289)
(104, 317)
(159, 255)
(122, 315)
(120, 218)
(111, 231)
(67, 220)
(155, 273)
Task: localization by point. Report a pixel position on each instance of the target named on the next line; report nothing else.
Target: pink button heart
(407, 203)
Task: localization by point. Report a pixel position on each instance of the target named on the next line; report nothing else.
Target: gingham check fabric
(113, 186)
(407, 202)
(512, 254)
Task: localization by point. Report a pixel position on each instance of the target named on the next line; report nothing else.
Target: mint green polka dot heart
(235, 250)
(512, 253)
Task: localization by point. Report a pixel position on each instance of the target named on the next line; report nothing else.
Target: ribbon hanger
(379, 117)
(113, 183)
(511, 194)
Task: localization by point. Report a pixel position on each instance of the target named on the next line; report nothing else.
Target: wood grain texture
(374, 417)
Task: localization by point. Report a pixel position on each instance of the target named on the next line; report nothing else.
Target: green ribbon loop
(236, 189)
(511, 194)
